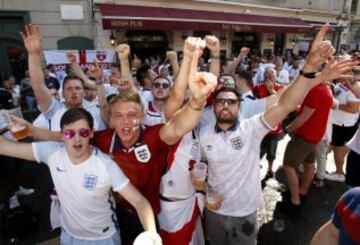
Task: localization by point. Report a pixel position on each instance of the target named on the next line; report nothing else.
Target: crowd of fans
(123, 146)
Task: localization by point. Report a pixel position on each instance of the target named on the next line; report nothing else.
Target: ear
(92, 133)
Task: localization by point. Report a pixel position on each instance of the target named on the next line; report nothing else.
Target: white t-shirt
(234, 164)
(57, 110)
(41, 122)
(87, 209)
(152, 115)
(354, 143)
(343, 118)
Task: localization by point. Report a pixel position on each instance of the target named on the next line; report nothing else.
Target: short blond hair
(128, 96)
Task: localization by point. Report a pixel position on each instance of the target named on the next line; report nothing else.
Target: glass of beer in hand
(213, 199)
(19, 131)
(199, 172)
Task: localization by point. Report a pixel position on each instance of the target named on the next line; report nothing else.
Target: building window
(354, 6)
(75, 43)
(336, 4)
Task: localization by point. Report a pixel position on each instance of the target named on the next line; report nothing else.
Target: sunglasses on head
(227, 80)
(70, 133)
(161, 85)
(230, 102)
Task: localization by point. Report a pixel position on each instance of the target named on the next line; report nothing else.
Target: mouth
(127, 130)
(77, 147)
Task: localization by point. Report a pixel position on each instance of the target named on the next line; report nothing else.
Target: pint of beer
(199, 172)
(213, 199)
(19, 131)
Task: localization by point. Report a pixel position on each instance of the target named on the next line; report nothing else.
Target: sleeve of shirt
(258, 127)
(42, 150)
(117, 177)
(250, 108)
(52, 109)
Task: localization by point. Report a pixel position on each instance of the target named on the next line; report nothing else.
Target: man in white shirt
(232, 149)
(294, 69)
(282, 75)
(84, 178)
(73, 87)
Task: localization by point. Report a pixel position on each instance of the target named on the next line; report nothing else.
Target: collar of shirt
(232, 128)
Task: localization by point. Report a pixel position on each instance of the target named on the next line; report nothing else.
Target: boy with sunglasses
(84, 177)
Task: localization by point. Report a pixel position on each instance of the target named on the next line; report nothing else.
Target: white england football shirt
(234, 164)
(84, 190)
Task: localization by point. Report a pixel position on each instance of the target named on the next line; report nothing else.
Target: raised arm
(16, 149)
(177, 93)
(213, 44)
(201, 85)
(321, 51)
(123, 51)
(172, 58)
(32, 42)
(232, 67)
(97, 73)
(78, 71)
(38, 133)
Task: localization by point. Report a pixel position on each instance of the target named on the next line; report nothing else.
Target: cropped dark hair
(227, 89)
(75, 114)
(142, 73)
(245, 75)
(72, 77)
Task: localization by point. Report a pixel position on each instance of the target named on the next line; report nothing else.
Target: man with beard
(154, 109)
(232, 147)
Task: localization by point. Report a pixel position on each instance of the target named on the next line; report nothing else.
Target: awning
(128, 17)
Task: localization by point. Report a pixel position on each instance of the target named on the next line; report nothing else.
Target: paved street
(297, 230)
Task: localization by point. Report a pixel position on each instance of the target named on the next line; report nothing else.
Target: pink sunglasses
(70, 133)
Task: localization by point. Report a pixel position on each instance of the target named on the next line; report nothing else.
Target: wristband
(308, 74)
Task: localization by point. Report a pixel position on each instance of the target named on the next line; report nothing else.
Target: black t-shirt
(6, 100)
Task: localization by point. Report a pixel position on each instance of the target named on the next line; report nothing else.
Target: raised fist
(212, 43)
(123, 50)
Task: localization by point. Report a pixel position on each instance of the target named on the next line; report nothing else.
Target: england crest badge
(236, 143)
(142, 153)
(90, 181)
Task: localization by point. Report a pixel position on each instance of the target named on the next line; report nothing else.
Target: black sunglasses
(230, 102)
(161, 85)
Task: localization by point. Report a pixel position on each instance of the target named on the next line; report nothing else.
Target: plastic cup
(213, 199)
(19, 131)
(199, 172)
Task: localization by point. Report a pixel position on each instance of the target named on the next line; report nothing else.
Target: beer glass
(19, 131)
(199, 172)
(213, 199)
